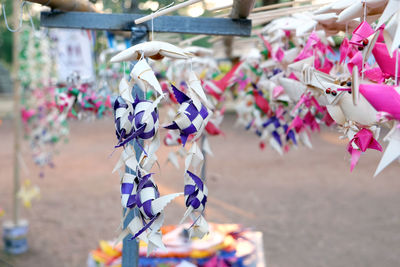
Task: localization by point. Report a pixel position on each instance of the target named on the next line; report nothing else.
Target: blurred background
(311, 210)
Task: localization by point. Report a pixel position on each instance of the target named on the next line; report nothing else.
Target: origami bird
(155, 50)
(361, 141)
(392, 151)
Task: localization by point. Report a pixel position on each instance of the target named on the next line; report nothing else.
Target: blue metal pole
(130, 248)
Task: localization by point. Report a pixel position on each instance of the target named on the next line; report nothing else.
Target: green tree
(6, 42)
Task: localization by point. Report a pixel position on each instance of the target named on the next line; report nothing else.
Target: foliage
(6, 36)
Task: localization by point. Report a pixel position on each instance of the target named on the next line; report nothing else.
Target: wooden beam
(125, 22)
(68, 5)
(264, 17)
(189, 41)
(218, 8)
(241, 9)
(165, 11)
(288, 10)
(279, 5)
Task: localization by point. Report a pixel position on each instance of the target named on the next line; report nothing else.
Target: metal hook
(139, 34)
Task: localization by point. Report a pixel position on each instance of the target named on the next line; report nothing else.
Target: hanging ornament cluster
(36, 63)
(190, 121)
(45, 113)
(298, 82)
(137, 122)
(186, 79)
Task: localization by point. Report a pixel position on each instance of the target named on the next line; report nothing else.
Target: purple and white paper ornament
(142, 192)
(146, 119)
(195, 200)
(135, 120)
(278, 132)
(123, 118)
(192, 116)
(195, 193)
(129, 184)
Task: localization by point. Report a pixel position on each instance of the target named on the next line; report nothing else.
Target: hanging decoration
(298, 82)
(137, 120)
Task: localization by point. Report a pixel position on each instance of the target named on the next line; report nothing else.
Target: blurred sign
(74, 54)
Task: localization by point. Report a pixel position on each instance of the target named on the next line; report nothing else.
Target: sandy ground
(311, 209)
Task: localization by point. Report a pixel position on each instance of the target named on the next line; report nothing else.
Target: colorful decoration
(296, 88)
(138, 120)
(225, 245)
(191, 117)
(28, 192)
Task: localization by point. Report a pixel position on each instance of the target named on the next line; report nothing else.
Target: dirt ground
(311, 209)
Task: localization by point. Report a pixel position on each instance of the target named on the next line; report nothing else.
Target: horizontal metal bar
(124, 22)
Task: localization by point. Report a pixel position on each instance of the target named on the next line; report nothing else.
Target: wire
(20, 18)
(152, 18)
(396, 54)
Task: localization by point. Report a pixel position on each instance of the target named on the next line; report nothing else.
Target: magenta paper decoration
(364, 139)
(383, 98)
(385, 62)
(363, 31)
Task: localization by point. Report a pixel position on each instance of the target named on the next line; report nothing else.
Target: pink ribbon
(279, 54)
(26, 114)
(297, 124)
(376, 75)
(328, 119)
(364, 139)
(262, 103)
(363, 31)
(308, 48)
(266, 43)
(356, 60)
(212, 129)
(242, 81)
(383, 98)
(293, 76)
(326, 68)
(279, 112)
(310, 121)
(385, 61)
(277, 91)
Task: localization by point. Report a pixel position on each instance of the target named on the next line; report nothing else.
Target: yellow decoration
(28, 192)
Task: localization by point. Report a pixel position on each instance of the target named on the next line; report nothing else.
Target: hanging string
(124, 69)
(152, 26)
(365, 9)
(347, 30)
(47, 4)
(141, 55)
(314, 49)
(364, 19)
(396, 53)
(31, 20)
(20, 18)
(152, 18)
